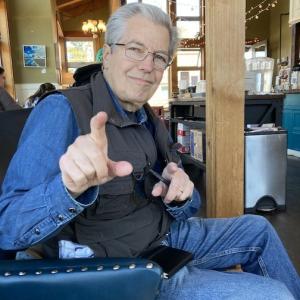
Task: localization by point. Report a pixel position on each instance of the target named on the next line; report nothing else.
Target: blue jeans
(218, 244)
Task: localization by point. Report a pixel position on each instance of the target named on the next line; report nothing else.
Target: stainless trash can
(265, 170)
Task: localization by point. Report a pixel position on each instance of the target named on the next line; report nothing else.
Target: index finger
(98, 126)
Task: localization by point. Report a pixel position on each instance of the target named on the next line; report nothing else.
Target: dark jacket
(7, 102)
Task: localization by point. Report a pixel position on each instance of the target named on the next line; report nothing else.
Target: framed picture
(34, 56)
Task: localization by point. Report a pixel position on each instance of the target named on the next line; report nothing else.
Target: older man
(88, 185)
(6, 101)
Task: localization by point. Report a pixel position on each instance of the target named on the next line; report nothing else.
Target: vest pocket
(117, 186)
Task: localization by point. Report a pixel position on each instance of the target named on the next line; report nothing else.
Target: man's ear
(106, 55)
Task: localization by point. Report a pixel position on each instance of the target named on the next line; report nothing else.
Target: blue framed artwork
(34, 56)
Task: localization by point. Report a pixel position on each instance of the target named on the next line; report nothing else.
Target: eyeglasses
(139, 53)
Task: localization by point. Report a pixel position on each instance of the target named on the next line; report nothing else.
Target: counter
(259, 109)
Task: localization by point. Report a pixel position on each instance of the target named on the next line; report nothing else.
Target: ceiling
(74, 8)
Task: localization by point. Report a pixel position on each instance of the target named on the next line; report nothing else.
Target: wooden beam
(173, 81)
(225, 37)
(68, 3)
(55, 35)
(203, 59)
(114, 5)
(6, 49)
(60, 32)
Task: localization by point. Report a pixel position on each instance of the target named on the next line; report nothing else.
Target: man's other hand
(180, 189)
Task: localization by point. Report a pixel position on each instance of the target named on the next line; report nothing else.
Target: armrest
(96, 278)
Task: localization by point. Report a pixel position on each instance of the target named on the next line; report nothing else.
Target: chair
(96, 278)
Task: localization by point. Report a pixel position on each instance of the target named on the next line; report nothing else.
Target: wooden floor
(286, 223)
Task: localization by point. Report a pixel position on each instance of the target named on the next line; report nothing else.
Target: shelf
(189, 160)
(192, 124)
(188, 102)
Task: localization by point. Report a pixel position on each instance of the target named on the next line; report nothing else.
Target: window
(79, 52)
(188, 8)
(160, 3)
(161, 96)
(256, 50)
(189, 57)
(187, 29)
(188, 66)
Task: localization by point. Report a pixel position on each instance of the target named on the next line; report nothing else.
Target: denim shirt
(34, 203)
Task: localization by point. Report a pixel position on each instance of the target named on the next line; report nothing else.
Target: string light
(199, 40)
(192, 43)
(260, 5)
(253, 41)
(261, 8)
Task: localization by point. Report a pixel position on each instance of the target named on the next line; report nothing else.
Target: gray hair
(117, 22)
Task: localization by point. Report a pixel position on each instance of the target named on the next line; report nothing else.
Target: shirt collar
(141, 115)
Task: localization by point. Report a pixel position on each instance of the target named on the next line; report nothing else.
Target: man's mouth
(140, 80)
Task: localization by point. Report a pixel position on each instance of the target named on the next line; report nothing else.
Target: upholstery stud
(54, 271)
(149, 266)
(7, 274)
(22, 273)
(38, 272)
(99, 268)
(116, 267)
(132, 266)
(84, 269)
(69, 270)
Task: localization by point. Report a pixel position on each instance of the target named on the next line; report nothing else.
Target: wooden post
(225, 40)
(114, 5)
(6, 50)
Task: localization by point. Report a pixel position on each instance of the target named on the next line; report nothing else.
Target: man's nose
(148, 63)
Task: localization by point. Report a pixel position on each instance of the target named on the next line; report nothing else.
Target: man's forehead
(139, 26)
(139, 43)
(146, 32)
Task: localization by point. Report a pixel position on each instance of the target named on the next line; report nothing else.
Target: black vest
(122, 222)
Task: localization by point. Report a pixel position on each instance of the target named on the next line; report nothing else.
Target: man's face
(2, 80)
(134, 82)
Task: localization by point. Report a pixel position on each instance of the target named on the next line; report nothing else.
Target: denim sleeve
(188, 209)
(34, 203)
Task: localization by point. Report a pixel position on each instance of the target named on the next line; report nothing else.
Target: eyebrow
(141, 44)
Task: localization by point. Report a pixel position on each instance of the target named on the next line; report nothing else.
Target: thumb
(119, 168)
(170, 169)
(158, 190)
(97, 124)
